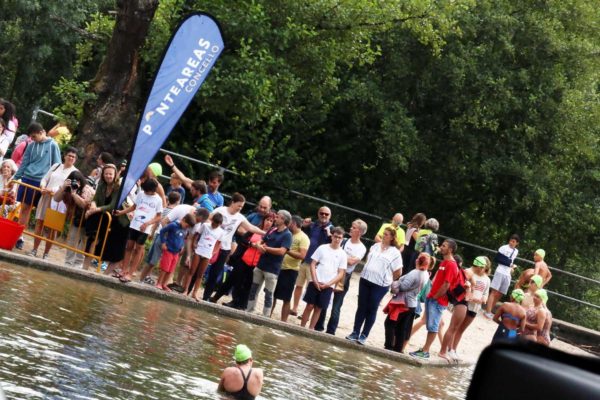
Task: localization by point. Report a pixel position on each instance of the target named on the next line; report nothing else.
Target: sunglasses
(324, 214)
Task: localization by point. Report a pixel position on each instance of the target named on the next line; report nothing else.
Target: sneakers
(20, 243)
(148, 280)
(353, 336)
(420, 354)
(488, 315)
(32, 253)
(362, 339)
(45, 256)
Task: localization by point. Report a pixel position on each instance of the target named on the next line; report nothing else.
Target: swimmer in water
(242, 381)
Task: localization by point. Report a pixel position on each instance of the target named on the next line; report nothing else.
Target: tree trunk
(109, 122)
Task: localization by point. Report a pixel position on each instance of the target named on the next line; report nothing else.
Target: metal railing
(380, 218)
(55, 221)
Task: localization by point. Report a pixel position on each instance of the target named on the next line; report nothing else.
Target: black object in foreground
(526, 370)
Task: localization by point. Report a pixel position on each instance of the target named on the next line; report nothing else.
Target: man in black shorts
(286, 282)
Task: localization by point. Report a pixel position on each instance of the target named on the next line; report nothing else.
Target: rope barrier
(341, 206)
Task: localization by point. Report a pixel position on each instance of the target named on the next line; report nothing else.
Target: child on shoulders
(175, 186)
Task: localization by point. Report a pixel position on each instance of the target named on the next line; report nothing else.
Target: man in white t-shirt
(499, 286)
(232, 220)
(355, 250)
(327, 268)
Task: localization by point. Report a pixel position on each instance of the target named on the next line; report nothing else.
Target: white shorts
(501, 282)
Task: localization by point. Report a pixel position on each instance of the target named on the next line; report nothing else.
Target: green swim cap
(542, 294)
(242, 353)
(156, 169)
(538, 280)
(541, 252)
(518, 295)
(479, 262)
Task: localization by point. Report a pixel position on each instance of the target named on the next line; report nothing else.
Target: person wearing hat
(242, 381)
(154, 170)
(536, 316)
(540, 268)
(543, 336)
(534, 284)
(510, 317)
(477, 295)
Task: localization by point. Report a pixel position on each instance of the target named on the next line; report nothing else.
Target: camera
(73, 187)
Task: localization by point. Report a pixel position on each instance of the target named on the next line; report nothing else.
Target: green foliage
(38, 47)
(485, 115)
(71, 95)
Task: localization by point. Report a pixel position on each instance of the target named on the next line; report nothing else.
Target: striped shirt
(381, 265)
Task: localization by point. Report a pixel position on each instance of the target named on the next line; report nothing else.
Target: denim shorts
(434, 312)
(155, 252)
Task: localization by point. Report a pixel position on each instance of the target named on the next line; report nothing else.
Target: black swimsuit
(243, 393)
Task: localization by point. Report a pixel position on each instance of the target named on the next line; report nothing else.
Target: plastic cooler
(10, 232)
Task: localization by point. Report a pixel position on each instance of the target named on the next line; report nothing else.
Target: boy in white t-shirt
(328, 267)
(209, 235)
(147, 210)
(155, 252)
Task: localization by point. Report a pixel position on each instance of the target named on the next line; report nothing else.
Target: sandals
(117, 273)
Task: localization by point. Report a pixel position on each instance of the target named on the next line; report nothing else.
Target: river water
(62, 338)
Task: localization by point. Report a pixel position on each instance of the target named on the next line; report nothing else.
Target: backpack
(458, 289)
(427, 243)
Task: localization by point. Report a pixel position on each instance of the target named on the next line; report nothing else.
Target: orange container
(11, 232)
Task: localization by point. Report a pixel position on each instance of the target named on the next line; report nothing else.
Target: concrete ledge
(577, 335)
(150, 291)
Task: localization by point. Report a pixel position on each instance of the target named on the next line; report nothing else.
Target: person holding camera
(50, 183)
(77, 195)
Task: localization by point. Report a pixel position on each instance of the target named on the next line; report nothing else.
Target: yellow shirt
(400, 235)
(300, 240)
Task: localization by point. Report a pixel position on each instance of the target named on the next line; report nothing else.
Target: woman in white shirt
(384, 265)
(50, 183)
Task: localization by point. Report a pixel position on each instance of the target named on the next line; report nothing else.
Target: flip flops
(117, 273)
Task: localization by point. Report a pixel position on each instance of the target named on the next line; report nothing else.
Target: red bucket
(11, 232)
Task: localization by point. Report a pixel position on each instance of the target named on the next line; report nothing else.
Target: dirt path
(474, 340)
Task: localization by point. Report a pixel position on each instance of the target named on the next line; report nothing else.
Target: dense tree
(483, 114)
(39, 40)
(108, 121)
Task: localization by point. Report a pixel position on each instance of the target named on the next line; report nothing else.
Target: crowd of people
(212, 247)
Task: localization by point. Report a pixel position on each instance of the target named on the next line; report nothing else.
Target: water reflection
(62, 338)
